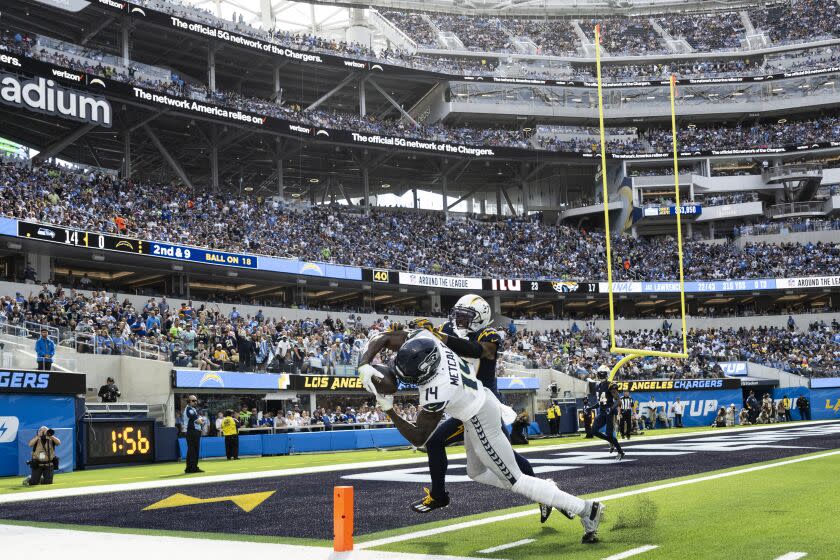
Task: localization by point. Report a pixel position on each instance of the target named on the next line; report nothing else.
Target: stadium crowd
(420, 242)
(206, 338)
(813, 352)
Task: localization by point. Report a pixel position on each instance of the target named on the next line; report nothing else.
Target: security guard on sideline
(192, 424)
(230, 429)
(553, 414)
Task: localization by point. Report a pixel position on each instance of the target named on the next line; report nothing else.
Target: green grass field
(167, 471)
(760, 515)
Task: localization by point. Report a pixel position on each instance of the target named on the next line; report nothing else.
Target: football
(388, 384)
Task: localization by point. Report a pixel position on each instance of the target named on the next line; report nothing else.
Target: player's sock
(546, 492)
(438, 464)
(524, 464)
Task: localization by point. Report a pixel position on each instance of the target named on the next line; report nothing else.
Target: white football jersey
(455, 388)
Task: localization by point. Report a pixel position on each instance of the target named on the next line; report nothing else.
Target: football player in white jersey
(448, 384)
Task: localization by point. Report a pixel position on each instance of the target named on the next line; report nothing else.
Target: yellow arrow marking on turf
(246, 502)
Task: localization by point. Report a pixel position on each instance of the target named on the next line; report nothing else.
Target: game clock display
(120, 442)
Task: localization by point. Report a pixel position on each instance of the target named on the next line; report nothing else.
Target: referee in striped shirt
(625, 423)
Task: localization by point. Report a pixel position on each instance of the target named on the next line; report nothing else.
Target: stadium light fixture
(314, 180)
(386, 185)
(248, 189)
(295, 195)
(782, 121)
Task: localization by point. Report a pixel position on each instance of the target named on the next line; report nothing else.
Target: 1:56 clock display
(119, 441)
(129, 441)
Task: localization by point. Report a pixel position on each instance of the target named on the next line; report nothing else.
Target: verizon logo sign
(67, 75)
(44, 96)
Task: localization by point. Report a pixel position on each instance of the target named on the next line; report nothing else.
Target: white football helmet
(470, 313)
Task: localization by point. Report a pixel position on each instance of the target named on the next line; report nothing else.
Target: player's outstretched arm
(391, 341)
(418, 433)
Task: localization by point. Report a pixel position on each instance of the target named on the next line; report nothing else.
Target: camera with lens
(50, 432)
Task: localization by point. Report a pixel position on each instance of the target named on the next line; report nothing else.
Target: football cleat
(545, 512)
(591, 519)
(612, 448)
(620, 456)
(428, 502)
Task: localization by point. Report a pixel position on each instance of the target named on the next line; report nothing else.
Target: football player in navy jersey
(607, 402)
(469, 334)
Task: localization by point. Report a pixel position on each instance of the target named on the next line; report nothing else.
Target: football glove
(368, 373)
(385, 401)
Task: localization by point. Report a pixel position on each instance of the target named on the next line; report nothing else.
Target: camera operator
(44, 460)
(109, 392)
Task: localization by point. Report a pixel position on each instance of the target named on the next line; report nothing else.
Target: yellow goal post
(632, 353)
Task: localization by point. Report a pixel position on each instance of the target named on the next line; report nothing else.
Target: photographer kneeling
(44, 460)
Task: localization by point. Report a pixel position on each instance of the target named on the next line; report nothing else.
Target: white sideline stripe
(256, 475)
(73, 544)
(792, 556)
(631, 552)
(493, 549)
(518, 514)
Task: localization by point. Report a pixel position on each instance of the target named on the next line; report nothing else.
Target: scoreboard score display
(109, 442)
(80, 238)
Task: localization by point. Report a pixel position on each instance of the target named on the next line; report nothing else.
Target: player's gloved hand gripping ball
(368, 373)
(385, 401)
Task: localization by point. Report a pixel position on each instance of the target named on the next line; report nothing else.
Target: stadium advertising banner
(42, 382)
(701, 405)
(311, 58)
(812, 282)
(20, 64)
(679, 385)
(446, 282)
(221, 380)
(825, 404)
(43, 95)
(701, 286)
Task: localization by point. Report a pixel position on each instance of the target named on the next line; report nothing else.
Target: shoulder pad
(489, 334)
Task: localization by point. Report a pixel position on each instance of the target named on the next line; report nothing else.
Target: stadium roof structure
(261, 12)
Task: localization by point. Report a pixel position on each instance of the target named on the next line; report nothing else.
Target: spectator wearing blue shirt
(153, 322)
(44, 351)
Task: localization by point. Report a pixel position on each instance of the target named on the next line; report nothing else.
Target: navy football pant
(606, 421)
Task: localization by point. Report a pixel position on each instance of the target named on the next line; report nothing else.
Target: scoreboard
(82, 238)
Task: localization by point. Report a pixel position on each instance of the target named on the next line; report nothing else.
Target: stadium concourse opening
(599, 240)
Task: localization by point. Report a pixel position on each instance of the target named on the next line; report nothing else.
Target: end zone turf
(761, 511)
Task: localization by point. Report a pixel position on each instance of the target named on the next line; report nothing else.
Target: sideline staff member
(43, 460)
(230, 429)
(192, 424)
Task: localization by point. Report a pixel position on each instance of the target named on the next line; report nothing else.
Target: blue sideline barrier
(300, 442)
